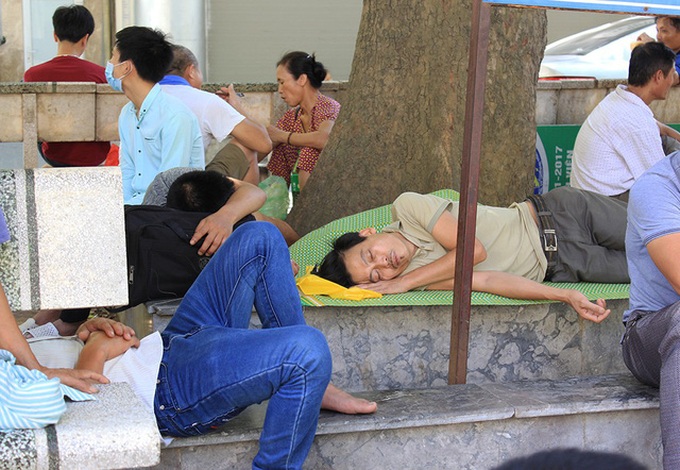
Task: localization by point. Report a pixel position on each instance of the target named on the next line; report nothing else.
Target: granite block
(610, 83)
(546, 106)
(575, 104)
(108, 106)
(408, 347)
(593, 394)
(18, 450)
(68, 241)
(558, 102)
(73, 87)
(66, 117)
(30, 127)
(667, 110)
(578, 83)
(258, 106)
(12, 112)
(115, 431)
(549, 85)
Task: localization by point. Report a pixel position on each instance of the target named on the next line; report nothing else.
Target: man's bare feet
(45, 316)
(338, 400)
(56, 328)
(66, 329)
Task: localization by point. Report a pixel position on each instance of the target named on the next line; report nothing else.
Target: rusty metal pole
(469, 185)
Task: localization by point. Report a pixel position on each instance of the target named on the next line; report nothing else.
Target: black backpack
(161, 262)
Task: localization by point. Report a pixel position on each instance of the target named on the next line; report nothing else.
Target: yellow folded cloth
(311, 284)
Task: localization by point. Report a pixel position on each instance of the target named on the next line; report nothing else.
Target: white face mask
(115, 83)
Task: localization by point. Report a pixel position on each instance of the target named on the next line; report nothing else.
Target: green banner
(554, 149)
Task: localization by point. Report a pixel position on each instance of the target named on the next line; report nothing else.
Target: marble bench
(115, 431)
(458, 426)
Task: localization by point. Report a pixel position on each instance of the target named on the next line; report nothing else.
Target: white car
(601, 53)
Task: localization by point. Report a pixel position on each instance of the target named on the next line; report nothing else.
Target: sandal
(42, 331)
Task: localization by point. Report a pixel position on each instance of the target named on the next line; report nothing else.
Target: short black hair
(572, 459)
(72, 23)
(300, 63)
(333, 266)
(646, 59)
(200, 191)
(147, 48)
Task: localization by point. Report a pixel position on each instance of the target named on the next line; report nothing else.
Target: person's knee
(670, 346)
(310, 347)
(249, 153)
(232, 161)
(256, 231)
(565, 195)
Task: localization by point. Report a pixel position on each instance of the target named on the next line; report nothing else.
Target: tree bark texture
(401, 126)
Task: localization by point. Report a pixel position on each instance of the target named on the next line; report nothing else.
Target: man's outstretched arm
(517, 287)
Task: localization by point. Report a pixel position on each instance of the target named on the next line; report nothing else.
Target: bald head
(184, 64)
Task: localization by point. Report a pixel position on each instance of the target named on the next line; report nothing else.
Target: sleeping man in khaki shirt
(579, 236)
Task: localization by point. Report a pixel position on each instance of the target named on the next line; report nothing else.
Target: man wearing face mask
(157, 131)
(73, 26)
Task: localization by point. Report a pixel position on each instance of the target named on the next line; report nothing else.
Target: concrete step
(474, 426)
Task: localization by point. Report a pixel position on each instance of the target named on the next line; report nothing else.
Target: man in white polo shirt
(620, 139)
(219, 116)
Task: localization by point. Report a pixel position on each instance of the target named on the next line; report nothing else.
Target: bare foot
(45, 316)
(67, 329)
(338, 400)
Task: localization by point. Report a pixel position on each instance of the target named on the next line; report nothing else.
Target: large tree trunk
(401, 124)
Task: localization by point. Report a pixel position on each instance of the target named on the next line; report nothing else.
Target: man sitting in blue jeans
(213, 366)
(210, 366)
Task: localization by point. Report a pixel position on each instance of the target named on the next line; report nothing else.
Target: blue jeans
(213, 366)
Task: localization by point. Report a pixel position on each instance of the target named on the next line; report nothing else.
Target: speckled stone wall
(388, 348)
(67, 247)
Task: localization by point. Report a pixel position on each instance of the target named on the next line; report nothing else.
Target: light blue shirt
(165, 135)
(653, 211)
(28, 399)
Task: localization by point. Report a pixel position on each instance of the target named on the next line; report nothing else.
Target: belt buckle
(549, 232)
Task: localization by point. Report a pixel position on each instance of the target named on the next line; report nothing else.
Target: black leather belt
(546, 231)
